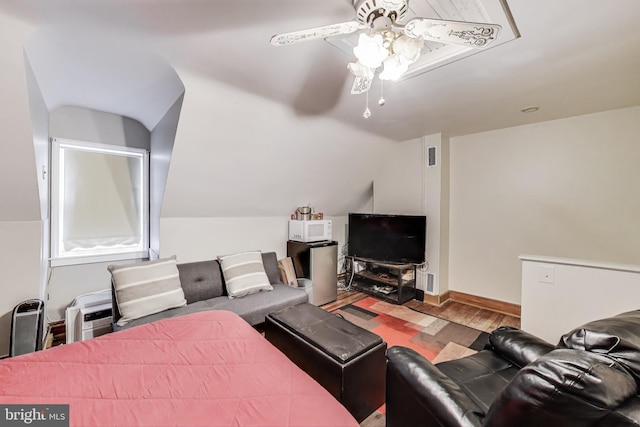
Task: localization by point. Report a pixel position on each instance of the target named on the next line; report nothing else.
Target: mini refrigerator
(318, 262)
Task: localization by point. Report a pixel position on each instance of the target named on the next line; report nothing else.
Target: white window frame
(57, 195)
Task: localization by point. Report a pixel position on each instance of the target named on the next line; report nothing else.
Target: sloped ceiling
(573, 57)
(101, 70)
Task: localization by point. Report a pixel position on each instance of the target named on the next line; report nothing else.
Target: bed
(202, 369)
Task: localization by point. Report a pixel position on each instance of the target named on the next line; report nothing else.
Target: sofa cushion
(253, 308)
(270, 262)
(195, 307)
(200, 280)
(618, 337)
(146, 288)
(244, 274)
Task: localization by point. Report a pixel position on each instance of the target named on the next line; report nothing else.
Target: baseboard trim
(437, 299)
(488, 303)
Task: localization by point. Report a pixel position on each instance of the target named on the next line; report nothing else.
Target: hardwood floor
(344, 298)
(474, 317)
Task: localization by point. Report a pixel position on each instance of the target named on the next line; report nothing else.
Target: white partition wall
(560, 294)
(564, 188)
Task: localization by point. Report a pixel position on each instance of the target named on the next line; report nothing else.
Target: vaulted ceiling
(283, 114)
(572, 57)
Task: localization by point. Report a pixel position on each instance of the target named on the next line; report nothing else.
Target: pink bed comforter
(203, 369)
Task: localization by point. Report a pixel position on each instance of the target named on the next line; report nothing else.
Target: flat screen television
(387, 238)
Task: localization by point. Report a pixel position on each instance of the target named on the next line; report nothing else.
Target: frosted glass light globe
(394, 67)
(408, 47)
(359, 70)
(370, 51)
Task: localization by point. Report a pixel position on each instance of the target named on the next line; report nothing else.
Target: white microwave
(314, 230)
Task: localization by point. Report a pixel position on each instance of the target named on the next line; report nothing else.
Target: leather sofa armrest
(418, 393)
(518, 346)
(563, 388)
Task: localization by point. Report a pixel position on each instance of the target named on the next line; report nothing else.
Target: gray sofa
(204, 289)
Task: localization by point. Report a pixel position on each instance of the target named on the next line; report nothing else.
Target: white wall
(18, 176)
(20, 225)
(84, 124)
(240, 155)
(566, 188)
(577, 291)
(68, 282)
(20, 266)
(398, 185)
(198, 239)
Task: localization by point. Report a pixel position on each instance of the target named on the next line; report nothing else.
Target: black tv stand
(395, 283)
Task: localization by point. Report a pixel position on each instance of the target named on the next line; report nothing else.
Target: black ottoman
(348, 361)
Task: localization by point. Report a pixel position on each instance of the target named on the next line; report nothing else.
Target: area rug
(436, 339)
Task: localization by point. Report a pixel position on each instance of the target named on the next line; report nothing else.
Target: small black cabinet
(395, 283)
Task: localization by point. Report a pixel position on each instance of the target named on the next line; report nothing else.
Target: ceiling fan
(390, 43)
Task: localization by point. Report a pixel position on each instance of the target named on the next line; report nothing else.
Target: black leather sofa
(590, 378)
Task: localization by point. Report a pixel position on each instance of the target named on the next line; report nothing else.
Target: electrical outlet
(546, 274)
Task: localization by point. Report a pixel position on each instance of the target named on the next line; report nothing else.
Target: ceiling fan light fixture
(370, 50)
(392, 4)
(359, 70)
(394, 67)
(393, 44)
(409, 48)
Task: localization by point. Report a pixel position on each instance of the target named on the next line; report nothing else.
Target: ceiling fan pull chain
(381, 101)
(367, 111)
(386, 41)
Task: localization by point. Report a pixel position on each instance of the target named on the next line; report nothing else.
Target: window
(99, 203)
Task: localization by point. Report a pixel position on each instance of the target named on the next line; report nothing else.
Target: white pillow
(146, 288)
(244, 274)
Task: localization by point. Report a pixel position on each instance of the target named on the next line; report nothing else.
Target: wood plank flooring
(474, 317)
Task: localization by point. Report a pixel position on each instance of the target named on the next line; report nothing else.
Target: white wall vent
(427, 282)
(431, 286)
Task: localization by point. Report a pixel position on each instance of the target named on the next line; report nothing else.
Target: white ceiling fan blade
(315, 33)
(472, 34)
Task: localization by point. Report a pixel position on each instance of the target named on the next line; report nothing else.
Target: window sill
(93, 259)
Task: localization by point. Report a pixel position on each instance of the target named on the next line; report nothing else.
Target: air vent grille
(431, 157)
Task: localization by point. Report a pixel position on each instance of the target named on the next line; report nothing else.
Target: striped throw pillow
(146, 288)
(244, 274)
